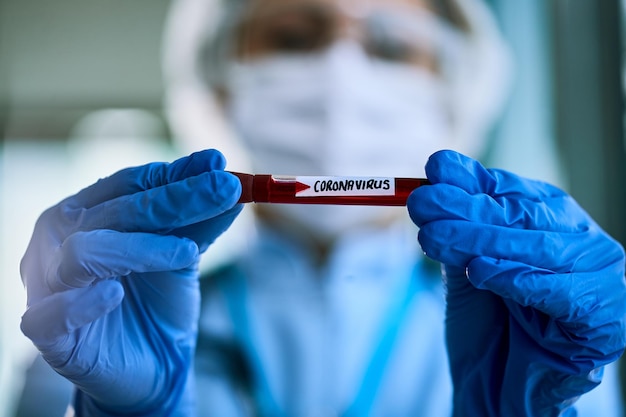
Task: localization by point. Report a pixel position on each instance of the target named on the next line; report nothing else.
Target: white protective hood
(479, 83)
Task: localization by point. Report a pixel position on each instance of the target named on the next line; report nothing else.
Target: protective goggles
(393, 32)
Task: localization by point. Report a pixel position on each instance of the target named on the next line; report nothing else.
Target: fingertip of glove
(185, 167)
(418, 204)
(424, 238)
(228, 187)
(61, 313)
(184, 254)
(25, 326)
(437, 202)
(110, 292)
(456, 169)
(412, 205)
(219, 188)
(210, 158)
(479, 269)
(439, 163)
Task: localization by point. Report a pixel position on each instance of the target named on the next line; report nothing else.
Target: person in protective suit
(328, 310)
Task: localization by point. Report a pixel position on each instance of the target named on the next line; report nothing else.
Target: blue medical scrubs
(360, 335)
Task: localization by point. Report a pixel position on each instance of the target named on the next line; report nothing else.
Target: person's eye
(390, 42)
(403, 53)
(391, 50)
(291, 30)
(294, 37)
(381, 41)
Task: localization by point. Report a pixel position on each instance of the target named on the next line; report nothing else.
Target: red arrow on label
(301, 187)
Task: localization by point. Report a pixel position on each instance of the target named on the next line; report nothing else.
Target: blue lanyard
(235, 291)
(375, 372)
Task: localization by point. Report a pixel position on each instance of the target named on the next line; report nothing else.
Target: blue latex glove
(535, 289)
(112, 281)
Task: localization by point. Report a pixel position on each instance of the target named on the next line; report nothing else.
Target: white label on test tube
(308, 186)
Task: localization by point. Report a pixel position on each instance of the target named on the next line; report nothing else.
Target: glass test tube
(368, 191)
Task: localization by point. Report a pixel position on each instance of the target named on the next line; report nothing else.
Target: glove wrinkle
(524, 252)
(112, 281)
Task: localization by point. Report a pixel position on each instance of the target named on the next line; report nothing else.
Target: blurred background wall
(77, 76)
(63, 58)
(68, 69)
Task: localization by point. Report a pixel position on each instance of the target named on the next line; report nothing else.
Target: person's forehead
(348, 3)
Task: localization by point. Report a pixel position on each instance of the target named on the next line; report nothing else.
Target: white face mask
(338, 112)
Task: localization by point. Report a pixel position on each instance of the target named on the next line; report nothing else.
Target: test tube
(363, 191)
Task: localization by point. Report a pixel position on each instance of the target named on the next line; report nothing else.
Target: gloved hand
(112, 281)
(536, 298)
